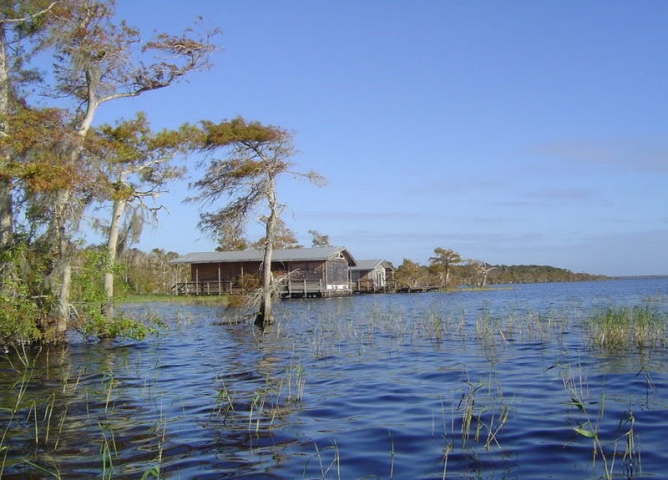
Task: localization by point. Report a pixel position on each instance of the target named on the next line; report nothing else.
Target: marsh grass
(179, 299)
(625, 328)
(108, 451)
(296, 383)
(224, 402)
(473, 421)
(326, 465)
(33, 419)
(484, 413)
(499, 330)
(480, 413)
(259, 408)
(34, 423)
(590, 423)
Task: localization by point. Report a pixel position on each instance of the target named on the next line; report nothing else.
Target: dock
(291, 289)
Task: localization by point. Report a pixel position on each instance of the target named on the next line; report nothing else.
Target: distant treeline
(502, 274)
(447, 269)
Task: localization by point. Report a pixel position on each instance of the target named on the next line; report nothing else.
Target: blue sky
(515, 132)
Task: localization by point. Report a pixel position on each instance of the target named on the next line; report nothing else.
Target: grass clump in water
(624, 328)
(622, 447)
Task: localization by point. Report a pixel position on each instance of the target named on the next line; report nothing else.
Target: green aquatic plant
(261, 407)
(592, 414)
(467, 405)
(224, 402)
(159, 429)
(35, 419)
(120, 327)
(108, 382)
(257, 407)
(392, 454)
(333, 465)
(26, 369)
(475, 421)
(624, 328)
(589, 425)
(491, 330)
(296, 380)
(51, 473)
(484, 413)
(108, 451)
(631, 455)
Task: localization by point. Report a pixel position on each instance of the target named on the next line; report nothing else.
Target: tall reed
(592, 415)
(40, 415)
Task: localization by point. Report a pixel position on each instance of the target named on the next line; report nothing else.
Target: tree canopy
(244, 178)
(54, 164)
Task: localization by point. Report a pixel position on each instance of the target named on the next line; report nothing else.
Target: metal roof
(288, 255)
(371, 264)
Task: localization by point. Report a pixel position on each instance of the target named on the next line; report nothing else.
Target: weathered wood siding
(337, 271)
(369, 280)
(362, 275)
(226, 272)
(312, 272)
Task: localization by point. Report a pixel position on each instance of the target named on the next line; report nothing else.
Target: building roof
(288, 255)
(372, 264)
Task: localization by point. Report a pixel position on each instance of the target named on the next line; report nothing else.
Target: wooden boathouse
(306, 272)
(372, 276)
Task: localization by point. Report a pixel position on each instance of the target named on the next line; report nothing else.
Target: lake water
(495, 384)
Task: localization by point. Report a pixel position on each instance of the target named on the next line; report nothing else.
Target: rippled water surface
(494, 384)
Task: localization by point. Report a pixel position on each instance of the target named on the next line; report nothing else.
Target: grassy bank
(224, 300)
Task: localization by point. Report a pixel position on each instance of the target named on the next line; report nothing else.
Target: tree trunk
(6, 208)
(61, 214)
(265, 315)
(64, 298)
(112, 246)
(6, 213)
(64, 262)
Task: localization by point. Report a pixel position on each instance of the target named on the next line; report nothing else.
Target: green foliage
(441, 265)
(236, 131)
(447, 268)
(623, 328)
(142, 273)
(54, 164)
(444, 258)
(98, 326)
(19, 319)
(88, 289)
(90, 299)
(283, 238)
(411, 275)
(507, 274)
(21, 314)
